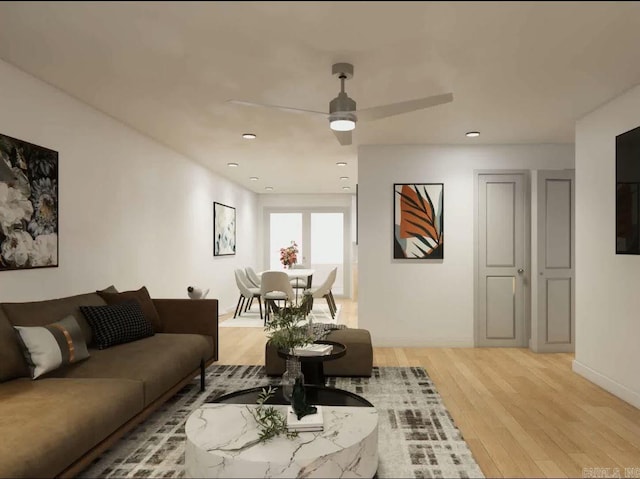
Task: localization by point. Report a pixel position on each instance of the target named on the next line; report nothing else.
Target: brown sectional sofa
(357, 362)
(57, 424)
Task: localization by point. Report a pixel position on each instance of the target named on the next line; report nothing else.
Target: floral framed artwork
(224, 230)
(418, 221)
(28, 205)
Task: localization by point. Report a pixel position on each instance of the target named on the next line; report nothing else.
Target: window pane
(284, 228)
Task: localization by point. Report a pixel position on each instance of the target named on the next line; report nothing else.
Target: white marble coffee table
(222, 441)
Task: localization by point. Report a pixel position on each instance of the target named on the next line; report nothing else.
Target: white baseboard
(608, 384)
(422, 343)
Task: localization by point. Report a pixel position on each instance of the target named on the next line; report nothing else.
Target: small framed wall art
(28, 205)
(418, 221)
(224, 230)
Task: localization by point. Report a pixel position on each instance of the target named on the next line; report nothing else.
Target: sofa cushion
(108, 289)
(12, 362)
(48, 424)
(117, 323)
(48, 347)
(39, 313)
(160, 361)
(142, 296)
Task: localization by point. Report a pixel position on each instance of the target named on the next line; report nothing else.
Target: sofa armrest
(189, 316)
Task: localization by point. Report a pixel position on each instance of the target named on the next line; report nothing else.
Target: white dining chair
(252, 276)
(247, 293)
(275, 286)
(324, 291)
(299, 283)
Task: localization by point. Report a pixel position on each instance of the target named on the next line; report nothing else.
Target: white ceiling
(520, 73)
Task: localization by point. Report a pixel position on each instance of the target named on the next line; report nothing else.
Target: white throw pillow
(49, 347)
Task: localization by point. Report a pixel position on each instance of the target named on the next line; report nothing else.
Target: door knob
(520, 271)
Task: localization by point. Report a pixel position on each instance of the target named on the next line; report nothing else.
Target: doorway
(323, 239)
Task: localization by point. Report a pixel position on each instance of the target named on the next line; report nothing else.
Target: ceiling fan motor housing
(342, 107)
(342, 103)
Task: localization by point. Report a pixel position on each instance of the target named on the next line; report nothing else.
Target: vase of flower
(293, 372)
(289, 255)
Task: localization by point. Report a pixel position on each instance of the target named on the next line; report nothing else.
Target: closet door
(555, 329)
(502, 260)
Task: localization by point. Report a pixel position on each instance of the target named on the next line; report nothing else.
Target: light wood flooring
(522, 414)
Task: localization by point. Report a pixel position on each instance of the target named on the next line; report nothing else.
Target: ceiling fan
(342, 109)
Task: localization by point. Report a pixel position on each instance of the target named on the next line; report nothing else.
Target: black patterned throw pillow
(117, 323)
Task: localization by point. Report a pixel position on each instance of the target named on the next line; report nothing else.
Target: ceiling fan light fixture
(342, 125)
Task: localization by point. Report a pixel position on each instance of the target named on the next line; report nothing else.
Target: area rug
(251, 319)
(417, 436)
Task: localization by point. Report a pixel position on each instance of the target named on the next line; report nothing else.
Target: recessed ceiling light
(249, 136)
(253, 178)
(341, 163)
(346, 187)
(268, 188)
(233, 165)
(344, 178)
(472, 134)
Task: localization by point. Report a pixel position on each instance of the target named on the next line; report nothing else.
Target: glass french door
(284, 228)
(322, 238)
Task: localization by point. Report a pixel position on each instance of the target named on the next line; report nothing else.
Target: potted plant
(287, 330)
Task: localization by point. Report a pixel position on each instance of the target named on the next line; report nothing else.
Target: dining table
(301, 274)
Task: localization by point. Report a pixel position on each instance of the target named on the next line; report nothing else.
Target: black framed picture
(224, 230)
(418, 220)
(28, 205)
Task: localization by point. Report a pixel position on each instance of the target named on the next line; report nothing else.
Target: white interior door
(555, 325)
(502, 260)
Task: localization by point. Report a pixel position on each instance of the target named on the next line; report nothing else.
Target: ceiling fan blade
(344, 137)
(383, 111)
(284, 108)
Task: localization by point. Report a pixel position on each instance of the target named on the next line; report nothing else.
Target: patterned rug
(418, 438)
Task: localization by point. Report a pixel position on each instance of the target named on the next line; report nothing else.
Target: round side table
(313, 366)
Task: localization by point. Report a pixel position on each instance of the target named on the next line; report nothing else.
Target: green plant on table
(287, 328)
(271, 422)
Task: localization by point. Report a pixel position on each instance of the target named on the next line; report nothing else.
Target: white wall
(132, 212)
(607, 285)
(428, 303)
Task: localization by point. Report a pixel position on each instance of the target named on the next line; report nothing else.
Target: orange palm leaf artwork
(418, 221)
